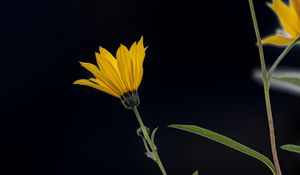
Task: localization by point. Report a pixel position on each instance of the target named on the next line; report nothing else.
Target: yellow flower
(289, 17)
(120, 76)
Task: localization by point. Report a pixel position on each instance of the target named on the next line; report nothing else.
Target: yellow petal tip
(77, 82)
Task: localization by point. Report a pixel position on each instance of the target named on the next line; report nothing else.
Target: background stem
(266, 91)
(147, 138)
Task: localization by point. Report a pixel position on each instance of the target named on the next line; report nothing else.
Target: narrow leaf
(284, 79)
(227, 142)
(153, 135)
(291, 148)
(289, 80)
(196, 173)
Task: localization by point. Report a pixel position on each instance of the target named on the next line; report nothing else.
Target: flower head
(120, 76)
(289, 17)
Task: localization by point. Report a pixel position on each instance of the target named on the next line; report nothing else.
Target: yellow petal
(287, 18)
(105, 88)
(92, 68)
(277, 40)
(138, 54)
(295, 7)
(135, 63)
(99, 75)
(140, 57)
(106, 54)
(108, 65)
(125, 66)
(89, 83)
(141, 50)
(133, 48)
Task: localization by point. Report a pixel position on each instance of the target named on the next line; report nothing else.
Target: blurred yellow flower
(289, 17)
(120, 76)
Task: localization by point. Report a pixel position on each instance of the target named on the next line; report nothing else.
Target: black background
(197, 71)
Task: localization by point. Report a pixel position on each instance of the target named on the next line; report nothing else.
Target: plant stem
(266, 91)
(271, 129)
(280, 58)
(149, 141)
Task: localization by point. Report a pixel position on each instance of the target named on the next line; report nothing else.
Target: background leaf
(226, 141)
(291, 148)
(284, 79)
(196, 173)
(289, 80)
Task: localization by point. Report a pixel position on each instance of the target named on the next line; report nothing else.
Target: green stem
(266, 91)
(280, 58)
(146, 146)
(149, 141)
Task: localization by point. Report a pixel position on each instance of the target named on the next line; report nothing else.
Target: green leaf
(196, 173)
(291, 148)
(227, 142)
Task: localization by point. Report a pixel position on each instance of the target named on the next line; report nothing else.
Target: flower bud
(130, 99)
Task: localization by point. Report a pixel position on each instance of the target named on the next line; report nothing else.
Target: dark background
(197, 71)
